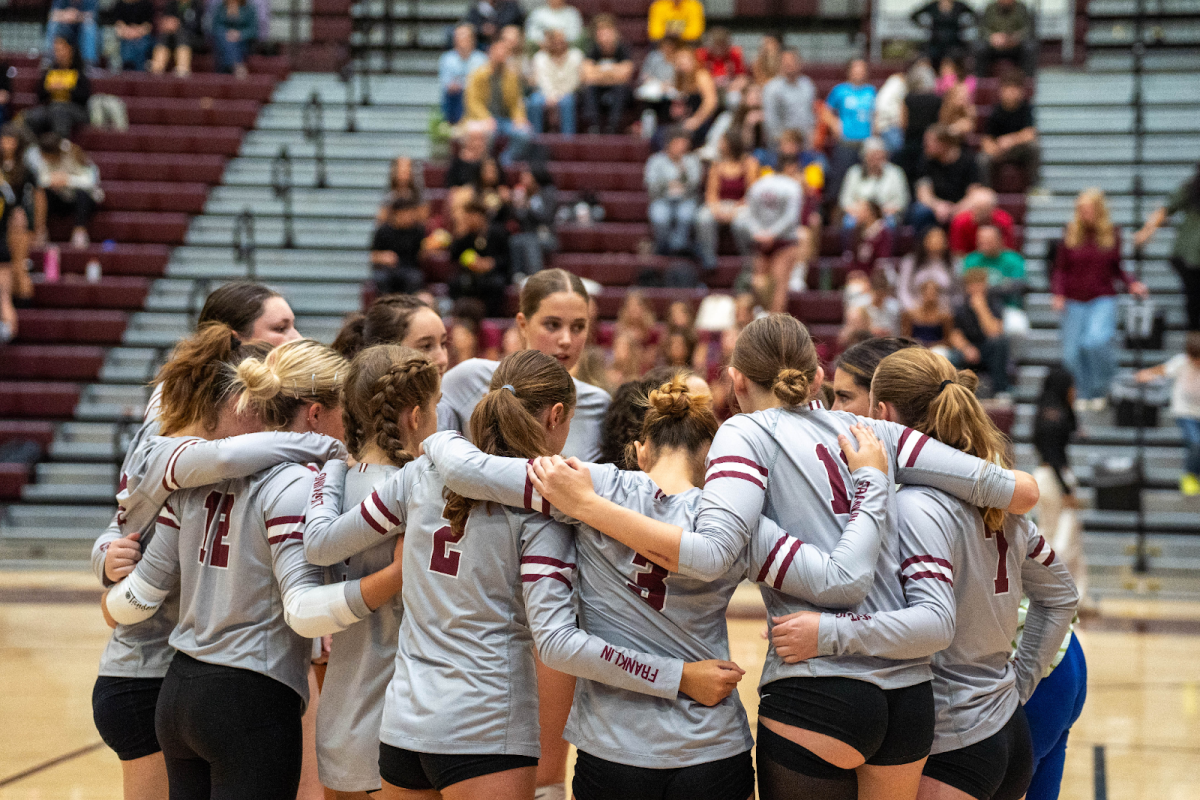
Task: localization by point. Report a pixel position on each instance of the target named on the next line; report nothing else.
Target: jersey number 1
(1001, 560)
(841, 498)
(445, 558)
(218, 506)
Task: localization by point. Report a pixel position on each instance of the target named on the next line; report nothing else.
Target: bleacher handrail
(312, 121)
(244, 245)
(282, 185)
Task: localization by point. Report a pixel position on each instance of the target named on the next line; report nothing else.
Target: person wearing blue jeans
(557, 72)
(1052, 710)
(1089, 332)
(673, 183)
(75, 21)
(454, 66)
(536, 104)
(234, 31)
(133, 22)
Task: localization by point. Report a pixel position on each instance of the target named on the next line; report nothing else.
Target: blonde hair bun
(672, 399)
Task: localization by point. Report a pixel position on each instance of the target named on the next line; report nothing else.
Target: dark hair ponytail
(386, 322)
(198, 378)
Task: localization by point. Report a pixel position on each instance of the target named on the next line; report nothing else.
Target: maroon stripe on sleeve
(553, 562)
(741, 475)
(283, 537)
(926, 559)
(766, 567)
(912, 460)
(168, 522)
(1041, 543)
(787, 562)
(555, 575)
(916, 576)
(383, 509)
(362, 509)
(903, 438)
(284, 520)
(737, 460)
(528, 489)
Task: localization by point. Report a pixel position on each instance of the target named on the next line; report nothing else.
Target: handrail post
(313, 121)
(244, 245)
(281, 184)
(294, 22)
(1141, 564)
(347, 76)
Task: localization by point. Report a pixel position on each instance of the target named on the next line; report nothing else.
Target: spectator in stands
(766, 60)
(979, 208)
(16, 171)
(180, 33)
(534, 206)
(729, 178)
(464, 167)
(555, 15)
(133, 22)
(1005, 267)
(455, 65)
(681, 18)
(7, 73)
(788, 100)
(1086, 275)
(948, 172)
(723, 60)
(980, 319)
(747, 121)
(405, 179)
(234, 30)
(877, 314)
(1011, 136)
(557, 71)
(396, 249)
(489, 17)
(957, 112)
(929, 262)
(848, 111)
(673, 181)
(72, 185)
(866, 237)
(493, 193)
(696, 102)
(952, 74)
(681, 318)
(888, 123)
(1005, 33)
(481, 255)
(932, 324)
(494, 97)
(1185, 253)
(948, 22)
(875, 180)
(772, 219)
(77, 21)
(922, 104)
(656, 85)
(1184, 370)
(606, 74)
(63, 92)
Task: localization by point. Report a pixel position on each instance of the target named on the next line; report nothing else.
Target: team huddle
(492, 592)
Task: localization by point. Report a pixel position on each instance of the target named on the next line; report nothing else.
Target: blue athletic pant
(1052, 710)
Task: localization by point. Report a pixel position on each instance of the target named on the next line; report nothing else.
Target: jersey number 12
(217, 506)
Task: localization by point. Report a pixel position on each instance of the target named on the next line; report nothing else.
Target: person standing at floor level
(1185, 253)
(1184, 370)
(1087, 272)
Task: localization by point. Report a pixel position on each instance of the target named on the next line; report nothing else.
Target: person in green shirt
(1185, 255)
(1004, 266)
(1006, 34)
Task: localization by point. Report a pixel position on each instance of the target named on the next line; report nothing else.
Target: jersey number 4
(1001, 559)
(650, 585)
(218, 507)
(445, 557)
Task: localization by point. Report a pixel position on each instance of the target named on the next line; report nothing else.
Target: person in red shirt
(723, 60)
(981, 210)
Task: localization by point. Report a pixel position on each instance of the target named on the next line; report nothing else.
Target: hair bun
(791, 386)
(671, 399)
(260, 380)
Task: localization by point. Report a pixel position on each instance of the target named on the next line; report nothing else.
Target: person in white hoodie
(555, 15)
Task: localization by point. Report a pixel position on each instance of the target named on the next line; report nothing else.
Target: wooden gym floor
(1143, 704)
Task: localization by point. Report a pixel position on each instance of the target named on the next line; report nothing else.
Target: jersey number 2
(1001, 560)
(841, 498)
(650, 585)
(445, 558)
(218, 506)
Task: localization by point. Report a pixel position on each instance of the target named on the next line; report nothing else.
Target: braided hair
(384, 382)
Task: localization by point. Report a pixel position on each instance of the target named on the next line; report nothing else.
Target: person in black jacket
(180, 31)
(947, 22)
(534, 205)
(1054, 424)
(480, 254)
(63, 92)
(489, 17)
(7, 73)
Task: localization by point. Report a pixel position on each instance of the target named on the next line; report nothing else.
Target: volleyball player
(396, 319)
(228, 716)
(820, 720)
(460, 715)
(855, 367)
(668, 749)
(553, 318)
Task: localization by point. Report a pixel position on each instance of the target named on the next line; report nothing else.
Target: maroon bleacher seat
(152, 196)
(60, 325)
(51, 362)
(109, 292)
(39, 400)
(200, 139)
(33, 430)
(192, 111)
(182, 167)
(121, 259)
(13, 478)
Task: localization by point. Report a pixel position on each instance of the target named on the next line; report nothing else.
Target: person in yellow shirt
(682, 18)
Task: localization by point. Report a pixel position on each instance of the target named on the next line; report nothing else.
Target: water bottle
(92, 271)
(51, 265)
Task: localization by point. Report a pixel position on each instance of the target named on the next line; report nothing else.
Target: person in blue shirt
(453, 68)
(848, 111)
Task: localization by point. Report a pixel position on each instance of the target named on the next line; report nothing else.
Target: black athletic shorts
(424, 771)
(727, 779)
(998, 768)
(888, 727)
(123, 710)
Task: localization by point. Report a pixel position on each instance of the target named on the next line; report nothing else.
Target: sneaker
(1097, 404)
(79, 239)
(1189, 484)
(1082, 406)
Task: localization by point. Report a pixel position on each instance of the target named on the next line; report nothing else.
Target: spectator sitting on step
(888, 123)
(672, 179)
(7, 73)
(180, 33)
(877, 180)
(980, 320)
(680, 317)
(1005, 267)
(1184, 370)
(8, 243)
(922, 104)
(766, 60)
(493, 193)
(534, 208)
(555, 15)
(16, 171)
(680, 18)
(876, 313)
(723, 60)
(1005, 32)
(948, 23)
(405, 179)
(63, 93)
(867, 238)
(464, 167)
(729, 178)
(979, 208)
(606, 74)
(1010, 136)
(494, 99)
(133, 23)
(696, 102)
(77, 22)
(234, 30)
(396, 249)
(848, 112)
(463, 333)
(557, 72)
(952, 74)
(72, 185)
(947, 172)
(480, 254)
(489, 17)
(454, 66)
(678, 348)
(957, 112)
(932, 324)
(788, 100)
(771, 217)
(929, 262)
(656, 83)
(808, 168)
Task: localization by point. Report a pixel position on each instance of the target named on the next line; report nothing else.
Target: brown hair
(776, 353)
(933, 397)
(541, 285)
(505, 422)
(299, 372)
(1191, 345)
(386, 322)
(238, 304)
(198, 378)
(677, 419)
(382, 383)
(860, 361)
(604, 21)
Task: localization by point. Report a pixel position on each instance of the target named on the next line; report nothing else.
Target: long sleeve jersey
(773, 207)
(963, 584)
(783, 464)
(475, 605)
(628, 600)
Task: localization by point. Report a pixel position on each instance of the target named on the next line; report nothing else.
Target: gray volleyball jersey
(627, 600)
(465, 680)
(154, 467)
(963, 584)
(360, 664)
(785, 464)
(466, 383)
(235, 549)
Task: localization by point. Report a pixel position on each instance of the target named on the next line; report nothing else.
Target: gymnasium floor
(1143, 695)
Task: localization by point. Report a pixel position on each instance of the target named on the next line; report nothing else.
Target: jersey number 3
(218, 507)
(445, 557)
(650, 585)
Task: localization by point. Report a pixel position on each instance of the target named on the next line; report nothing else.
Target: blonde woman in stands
(186, 446)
